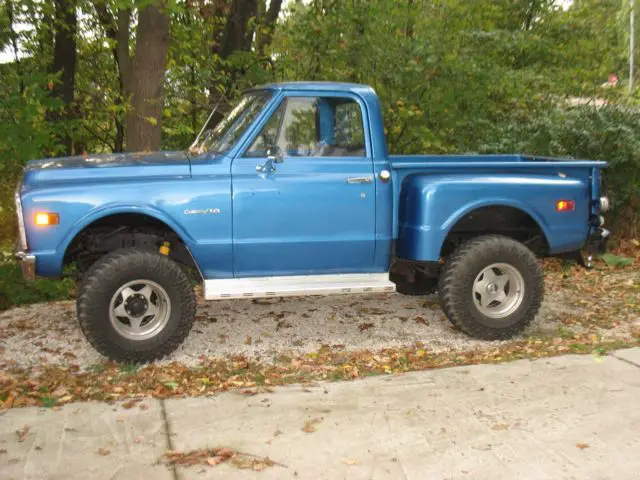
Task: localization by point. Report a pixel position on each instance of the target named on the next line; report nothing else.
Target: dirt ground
(604, 301)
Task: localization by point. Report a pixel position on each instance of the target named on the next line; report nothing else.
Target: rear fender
(430, 207)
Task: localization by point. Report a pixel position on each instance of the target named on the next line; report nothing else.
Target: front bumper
(27, 265)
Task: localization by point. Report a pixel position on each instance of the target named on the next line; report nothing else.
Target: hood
(106, 167)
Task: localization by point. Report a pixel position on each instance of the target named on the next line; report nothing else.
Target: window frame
(285, 95)
(282, 103)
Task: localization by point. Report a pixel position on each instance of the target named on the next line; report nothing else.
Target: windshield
(233, 125)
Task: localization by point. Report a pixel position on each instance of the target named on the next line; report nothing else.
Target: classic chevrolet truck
(294, 193)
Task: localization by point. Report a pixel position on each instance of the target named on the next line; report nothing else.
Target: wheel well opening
(125, 230)
(501, 220)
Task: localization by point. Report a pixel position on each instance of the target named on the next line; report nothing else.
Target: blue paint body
(304, 218)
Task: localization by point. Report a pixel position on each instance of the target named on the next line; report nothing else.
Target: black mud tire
(111, 272)
(455, 286)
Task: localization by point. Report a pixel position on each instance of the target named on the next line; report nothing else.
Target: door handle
(359, 180)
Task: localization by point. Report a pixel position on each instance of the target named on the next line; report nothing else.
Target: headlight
(22, 235)
(604, 204)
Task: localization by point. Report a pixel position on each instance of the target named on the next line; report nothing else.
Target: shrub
(609, 132)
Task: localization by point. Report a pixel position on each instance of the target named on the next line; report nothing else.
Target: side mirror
(274, 153)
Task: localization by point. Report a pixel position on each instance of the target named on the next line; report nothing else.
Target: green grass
(14, 290)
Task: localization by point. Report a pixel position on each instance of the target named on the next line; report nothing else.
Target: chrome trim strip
(297, 285)
(22, 234)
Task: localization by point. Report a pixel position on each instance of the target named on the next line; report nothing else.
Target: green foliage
(616, 261)
(16, 291)
(607, 132)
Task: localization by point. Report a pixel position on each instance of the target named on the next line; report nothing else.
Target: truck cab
(293, 192)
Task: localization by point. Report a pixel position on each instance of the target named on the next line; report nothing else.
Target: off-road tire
(460, 271)
(106, 276)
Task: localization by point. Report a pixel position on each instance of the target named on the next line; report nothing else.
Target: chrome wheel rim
(139, 310)
(498, 290)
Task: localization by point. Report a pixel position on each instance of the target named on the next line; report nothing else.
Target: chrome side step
(297, 285)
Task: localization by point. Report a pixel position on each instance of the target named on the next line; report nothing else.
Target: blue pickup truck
(294, 193)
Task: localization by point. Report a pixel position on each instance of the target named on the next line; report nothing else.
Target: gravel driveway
(263, 329)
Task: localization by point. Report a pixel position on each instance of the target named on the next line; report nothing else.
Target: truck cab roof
(317, 86)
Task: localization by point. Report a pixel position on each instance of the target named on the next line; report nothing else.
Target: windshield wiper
(193, 148)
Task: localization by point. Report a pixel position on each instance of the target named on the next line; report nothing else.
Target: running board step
(297, 285)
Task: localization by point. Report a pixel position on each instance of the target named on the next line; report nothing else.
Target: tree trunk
(111, 30)
(268, 26)
(13, 37)
(141, 77)
(146, 82)
(238, 34)
(64, 62)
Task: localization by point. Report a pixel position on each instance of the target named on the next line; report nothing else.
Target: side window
(268, 136)
(322, 127)
(349, 131)
(299, 134)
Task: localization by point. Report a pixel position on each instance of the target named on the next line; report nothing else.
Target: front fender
(50, 257)
(431, 205)
(208, 236)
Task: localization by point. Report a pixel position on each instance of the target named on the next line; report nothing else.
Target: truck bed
(434, 192)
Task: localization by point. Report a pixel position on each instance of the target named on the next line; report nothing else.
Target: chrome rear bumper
(27, 264)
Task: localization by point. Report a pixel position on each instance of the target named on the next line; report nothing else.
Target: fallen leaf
(61, 391)
(8, 403)
(365, 326)
(421, 320)
(310, 426)
(582, 446)
(350, 461)
(131, 403)
(247, 340)
(216, 456)
(22, 434)
(104, 451)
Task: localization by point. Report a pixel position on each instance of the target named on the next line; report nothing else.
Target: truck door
(304, 191)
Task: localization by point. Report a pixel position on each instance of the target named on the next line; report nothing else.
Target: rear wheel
(491, 287)
(135, 306)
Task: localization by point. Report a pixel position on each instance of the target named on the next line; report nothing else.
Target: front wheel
(135, 306)
(491, 287)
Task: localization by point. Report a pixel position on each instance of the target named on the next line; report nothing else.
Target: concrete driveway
(560, 418)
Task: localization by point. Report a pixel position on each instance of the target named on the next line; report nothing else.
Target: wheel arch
(503, 217)
(128, 217)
